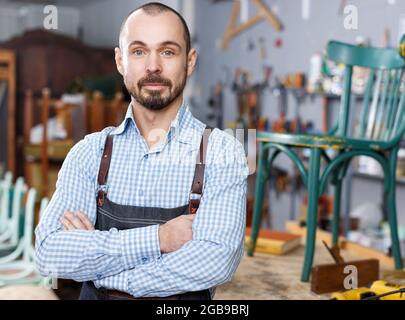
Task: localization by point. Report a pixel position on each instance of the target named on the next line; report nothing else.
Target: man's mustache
(154, 79)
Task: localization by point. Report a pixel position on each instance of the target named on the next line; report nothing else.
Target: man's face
(152, 58)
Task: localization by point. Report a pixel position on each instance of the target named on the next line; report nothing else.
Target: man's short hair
(155, 8)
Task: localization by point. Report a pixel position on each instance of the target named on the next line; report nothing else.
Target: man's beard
(154, 99)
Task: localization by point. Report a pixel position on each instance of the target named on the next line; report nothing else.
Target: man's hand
(175, 233)
(172, 235)
(76, 221)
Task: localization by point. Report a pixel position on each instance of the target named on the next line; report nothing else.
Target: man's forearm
(90, 255)
(197, 266)
(122, 250)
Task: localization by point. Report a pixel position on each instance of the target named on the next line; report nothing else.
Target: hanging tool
(215, 102)
(232, 29)
(263, 50)
(249, 96)
(279, 91)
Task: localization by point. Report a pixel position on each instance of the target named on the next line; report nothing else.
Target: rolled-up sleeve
(87, 255)
(217, 247)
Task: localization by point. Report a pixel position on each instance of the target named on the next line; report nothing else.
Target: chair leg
(259, 196)
(336, 213)
(313, 195)
(392, 213)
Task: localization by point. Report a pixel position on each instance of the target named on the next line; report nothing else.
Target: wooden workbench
(271, 277)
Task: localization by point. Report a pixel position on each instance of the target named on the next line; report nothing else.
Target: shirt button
(146, 156)
(144, 259)
(98, 276)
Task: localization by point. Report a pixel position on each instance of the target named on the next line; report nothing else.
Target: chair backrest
(105, 112)
(28, 219)
(42, 207)
(5, 187)
(382, 116)
(19, 191)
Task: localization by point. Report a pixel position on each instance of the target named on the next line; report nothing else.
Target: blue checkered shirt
(130, 260)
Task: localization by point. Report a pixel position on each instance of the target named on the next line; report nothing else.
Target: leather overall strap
(198, 180)
(103, 171)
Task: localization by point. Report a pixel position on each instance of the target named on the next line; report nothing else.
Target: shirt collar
(180, 125)
(124, 124)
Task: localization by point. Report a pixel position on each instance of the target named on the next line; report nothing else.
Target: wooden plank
(331, 277)
(4, 74)
(268, 15)
(11, 153)
(232, 29)
(231, 24)
(6, 55)
(293, 227)
(97, 112)
(28, 115)
(46, 96)
(242, 27)
(8, 73)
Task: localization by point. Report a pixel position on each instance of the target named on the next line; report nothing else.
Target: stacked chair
(17, 254)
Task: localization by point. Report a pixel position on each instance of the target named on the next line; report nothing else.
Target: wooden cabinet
(7, 110)
(50, 60)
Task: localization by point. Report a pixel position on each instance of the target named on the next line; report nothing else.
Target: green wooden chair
(9, 238)
(5, 186)
(380, 128)
(20, 267)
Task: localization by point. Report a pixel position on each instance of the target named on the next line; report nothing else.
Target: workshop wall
(106, 34)
(300, 39)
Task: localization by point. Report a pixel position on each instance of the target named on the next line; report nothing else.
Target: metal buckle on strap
(103, 187)
(194, 196)
(100, 194)
(193, 202)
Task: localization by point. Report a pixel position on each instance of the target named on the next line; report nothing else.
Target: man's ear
(191, 61)
(118, 60)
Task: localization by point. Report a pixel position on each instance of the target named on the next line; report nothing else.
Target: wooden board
(328, 278)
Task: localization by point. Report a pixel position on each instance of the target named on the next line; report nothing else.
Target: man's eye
(168, 53)
(138, 52)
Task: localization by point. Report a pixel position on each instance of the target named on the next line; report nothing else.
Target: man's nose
(153, 64)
